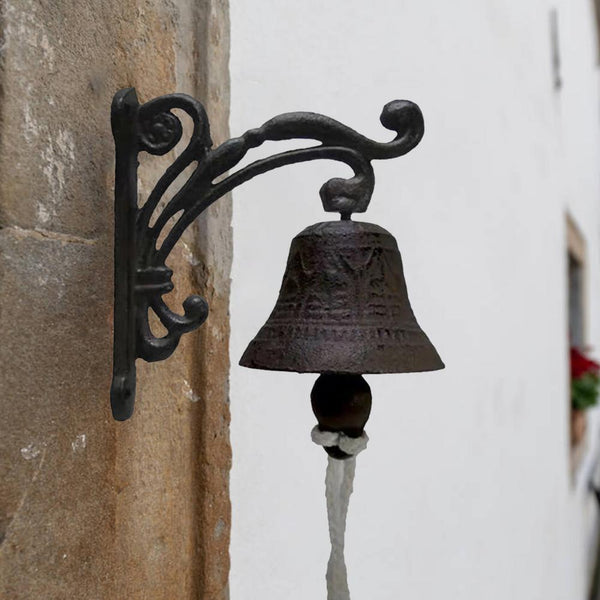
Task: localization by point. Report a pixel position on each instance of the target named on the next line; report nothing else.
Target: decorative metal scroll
(141, 276)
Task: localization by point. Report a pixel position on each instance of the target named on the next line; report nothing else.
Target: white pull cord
(338, 488)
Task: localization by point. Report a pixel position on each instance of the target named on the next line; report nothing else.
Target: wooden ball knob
(341, 403)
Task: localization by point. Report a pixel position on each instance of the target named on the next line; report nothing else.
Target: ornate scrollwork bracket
(141, 276)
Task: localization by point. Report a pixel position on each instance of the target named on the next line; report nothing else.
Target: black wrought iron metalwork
(141, 275)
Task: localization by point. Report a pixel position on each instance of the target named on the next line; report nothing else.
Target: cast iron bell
(343, 308)
(342, 311)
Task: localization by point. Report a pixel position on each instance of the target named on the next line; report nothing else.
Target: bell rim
(438, 367)
(306, 356)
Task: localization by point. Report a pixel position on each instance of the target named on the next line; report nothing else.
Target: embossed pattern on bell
(343, 307)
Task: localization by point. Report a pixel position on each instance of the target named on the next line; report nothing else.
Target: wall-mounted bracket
(141, 275)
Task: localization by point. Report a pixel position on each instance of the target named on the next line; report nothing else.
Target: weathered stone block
(92, 508)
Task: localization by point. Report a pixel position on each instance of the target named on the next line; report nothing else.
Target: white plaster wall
(465, 489)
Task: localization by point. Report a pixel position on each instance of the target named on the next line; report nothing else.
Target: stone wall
(92, 508)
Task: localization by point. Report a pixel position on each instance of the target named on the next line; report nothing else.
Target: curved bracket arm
(141, 276)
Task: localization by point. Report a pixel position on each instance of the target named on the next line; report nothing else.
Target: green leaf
(584, 391)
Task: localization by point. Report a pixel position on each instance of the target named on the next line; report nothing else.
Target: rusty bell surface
(343, 308)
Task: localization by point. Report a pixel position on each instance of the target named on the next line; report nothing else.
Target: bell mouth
(343, 307)
(353, 351)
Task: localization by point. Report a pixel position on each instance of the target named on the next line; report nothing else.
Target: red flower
(581, 364)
